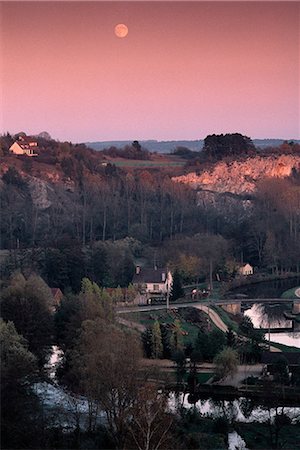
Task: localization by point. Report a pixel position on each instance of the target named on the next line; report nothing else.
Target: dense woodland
(72, 219)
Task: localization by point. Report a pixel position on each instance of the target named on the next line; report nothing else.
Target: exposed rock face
(229, 204)
(240, 177)
(39, 192)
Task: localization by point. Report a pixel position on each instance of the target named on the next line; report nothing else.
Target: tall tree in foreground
(176, 290)
(19, 406)
(108, 365)
(27, 303)
(151, 421)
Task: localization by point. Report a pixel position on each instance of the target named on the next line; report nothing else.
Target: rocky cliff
(240, 177)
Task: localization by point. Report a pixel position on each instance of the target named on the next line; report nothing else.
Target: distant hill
(151, 145)
(169, 146)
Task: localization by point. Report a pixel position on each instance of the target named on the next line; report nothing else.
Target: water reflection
(265, 315)
(271, 316)
(239, 410)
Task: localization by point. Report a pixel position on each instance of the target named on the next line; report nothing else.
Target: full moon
(121, 30)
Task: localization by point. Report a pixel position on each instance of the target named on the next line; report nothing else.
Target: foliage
(209, 344)
(118, 354)
(230, 337)
(176, 341)
(219, 146)
(13, 177)
(19, 406)
(28, 304)
(178, 357)
(280, 370)
(176, 290)
(226, 363)
(150, 424)
(17, 363)
(157, 347)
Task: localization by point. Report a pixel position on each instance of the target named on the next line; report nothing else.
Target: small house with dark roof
(24, 145)
(152, 284)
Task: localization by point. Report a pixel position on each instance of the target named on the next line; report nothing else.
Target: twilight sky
(185, 69)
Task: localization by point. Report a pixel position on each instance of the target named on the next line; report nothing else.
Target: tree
(150, 420)
(136, 145)
(281, 370)
(108, 374)
(147, 342)
(165, 339)
(28, 303)
(230, 337)
(18, 365)
(176, 290)
(217, 146)
(176, 340)
(226, 363)
(20, 427)
(157, 347)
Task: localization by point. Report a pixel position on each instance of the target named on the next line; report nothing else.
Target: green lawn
(147, 318)
(290, 293)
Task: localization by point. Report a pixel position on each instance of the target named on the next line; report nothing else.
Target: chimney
(137, 270)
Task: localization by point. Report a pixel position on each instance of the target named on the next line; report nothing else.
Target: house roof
(26, 139)
(56, 291)
(150, 275)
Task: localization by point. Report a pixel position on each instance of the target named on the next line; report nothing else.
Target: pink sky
(185, 70)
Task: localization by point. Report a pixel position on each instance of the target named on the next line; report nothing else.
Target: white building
(25, 145)
(245, 269)
(152, 283)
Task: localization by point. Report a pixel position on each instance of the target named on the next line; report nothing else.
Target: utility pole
(210, 276)
(211, 291)
(168, 296)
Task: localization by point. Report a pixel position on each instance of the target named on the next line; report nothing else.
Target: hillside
(240, 177)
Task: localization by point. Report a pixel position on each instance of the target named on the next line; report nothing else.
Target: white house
(245, 269)
(25, 145)
(152, 283)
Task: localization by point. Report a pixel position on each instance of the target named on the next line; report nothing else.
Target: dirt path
(214, 317)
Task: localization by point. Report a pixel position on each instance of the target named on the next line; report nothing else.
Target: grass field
(146, 163)
(290, 293)
(163, 316)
